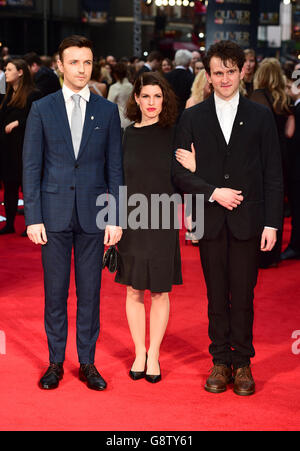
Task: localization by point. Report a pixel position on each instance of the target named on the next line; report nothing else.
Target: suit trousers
(230, 268)
(56, 259)
(11, 197)
(295, 207)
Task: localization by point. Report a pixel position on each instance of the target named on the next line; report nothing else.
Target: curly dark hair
(168, 114)
(227, 51)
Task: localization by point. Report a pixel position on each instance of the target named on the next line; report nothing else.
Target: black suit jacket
(295, 148)
(46, 81)
(142, 71)
(181, 81)
(251, 162)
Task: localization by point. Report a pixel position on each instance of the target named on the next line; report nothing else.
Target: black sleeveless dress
(150, 258)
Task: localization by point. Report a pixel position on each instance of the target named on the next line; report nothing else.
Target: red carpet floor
(179, 402)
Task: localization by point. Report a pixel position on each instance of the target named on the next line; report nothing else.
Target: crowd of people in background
(268, 81)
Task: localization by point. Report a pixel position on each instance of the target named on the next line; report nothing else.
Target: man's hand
(9, 128)
(186, 158)
(112, 235)
(268, 239)
(37, 234)
(228, 198)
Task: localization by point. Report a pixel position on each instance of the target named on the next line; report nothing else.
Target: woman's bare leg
(159, 317)
(136, 316)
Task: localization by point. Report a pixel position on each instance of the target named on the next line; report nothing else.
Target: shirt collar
(232, 102)
(297, 102)
(85, 93)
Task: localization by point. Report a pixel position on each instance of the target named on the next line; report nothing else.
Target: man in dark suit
(238, 170)
(181, 78)
(44, 78)
(293, 249)
(72, 154)
(152, 64)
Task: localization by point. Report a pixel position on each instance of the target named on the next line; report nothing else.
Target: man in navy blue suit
(72, 154)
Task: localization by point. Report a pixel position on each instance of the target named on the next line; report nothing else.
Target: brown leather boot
(220, 376)
(243, 381)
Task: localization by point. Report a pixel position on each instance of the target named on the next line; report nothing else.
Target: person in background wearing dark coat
(44, 78)
(269, 90)
(153, 63)
(14, 110)
(293, 249)
(181, 79)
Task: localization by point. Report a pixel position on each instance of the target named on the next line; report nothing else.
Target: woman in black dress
(14, 110)
(270, 90)
(150, 258)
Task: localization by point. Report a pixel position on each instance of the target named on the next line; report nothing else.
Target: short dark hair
(168, 114)
(74, 41)
(32, 58)
(155, 55)
(227, 51)
(120, 71)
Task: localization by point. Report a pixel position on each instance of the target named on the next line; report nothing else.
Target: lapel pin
(92, 117)
(241, 123)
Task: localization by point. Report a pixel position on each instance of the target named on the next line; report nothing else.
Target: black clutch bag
(111, 259)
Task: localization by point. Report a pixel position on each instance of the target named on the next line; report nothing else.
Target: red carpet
(179, 402)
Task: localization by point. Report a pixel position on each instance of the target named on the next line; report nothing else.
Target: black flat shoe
(137, 375)
(88, 373)
(289, 254)
(6, 230)
(51, 378)
(153, 379)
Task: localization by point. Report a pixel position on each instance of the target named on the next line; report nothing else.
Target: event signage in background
(235, 20)
(17, 3)
(296, 25)
(269, 12)
(95, 11)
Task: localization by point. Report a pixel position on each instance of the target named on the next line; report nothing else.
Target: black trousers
(295, 207)
(230, 268)
(56, 258)
(11, 197)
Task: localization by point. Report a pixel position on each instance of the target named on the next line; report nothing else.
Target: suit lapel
(239, 122)
(89, 122)
(62, 120)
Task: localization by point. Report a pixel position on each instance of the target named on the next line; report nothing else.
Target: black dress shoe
(53, 375)
(153, 379)
(6, 230)
(88, 373)
(289, 254)
(137, 375)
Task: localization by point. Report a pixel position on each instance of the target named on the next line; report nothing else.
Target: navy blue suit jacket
(53, 178)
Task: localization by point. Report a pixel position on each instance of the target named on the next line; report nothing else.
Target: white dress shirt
(84, 98)
(226, 112)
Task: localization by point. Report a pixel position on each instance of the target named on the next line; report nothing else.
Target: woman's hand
(9, 128)
(186, 158)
